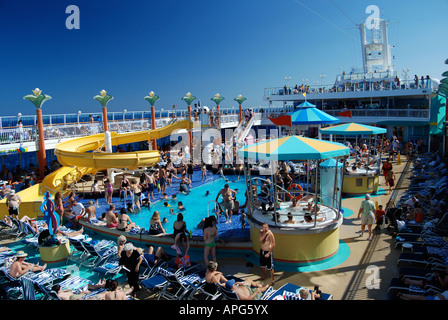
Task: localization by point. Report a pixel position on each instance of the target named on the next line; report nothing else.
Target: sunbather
(155, 257)
(20, 267)
(405, 296)
(67, 294)
(115, 292)
(438, 279)
(213, 278)
(247, 290)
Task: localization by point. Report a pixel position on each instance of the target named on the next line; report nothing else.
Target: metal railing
(349, 86)
(59, 131)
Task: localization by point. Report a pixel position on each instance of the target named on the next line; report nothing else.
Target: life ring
(297, 186)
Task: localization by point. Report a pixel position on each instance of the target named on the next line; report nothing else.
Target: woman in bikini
(59, 205)
(124, 222)
(125, 188)
(210, 232)
(109, 190)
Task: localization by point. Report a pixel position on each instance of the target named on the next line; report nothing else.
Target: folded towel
(287, 295)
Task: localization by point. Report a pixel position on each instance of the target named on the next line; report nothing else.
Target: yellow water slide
(81, 156)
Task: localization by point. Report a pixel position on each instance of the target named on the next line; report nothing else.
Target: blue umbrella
(307, 113)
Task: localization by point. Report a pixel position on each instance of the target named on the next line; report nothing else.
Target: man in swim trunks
(12, 202)
(162, 179)
(111, 217)
(267, 242)
(228, 201)
(247, 290)
(149, 179)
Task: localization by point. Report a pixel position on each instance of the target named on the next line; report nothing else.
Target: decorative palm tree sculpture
(152, 98)
(240, 99)
(217, 99)
(104, 99)
(189, 99)
(38, 99)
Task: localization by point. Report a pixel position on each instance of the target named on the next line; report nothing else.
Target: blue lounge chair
(11, 286)
(45, 292)
(97, 255)
(229, 294)
(17, 229)
(28, 290)
(80, 254)
(176, 286)
(110, 268)
(157, 280)
(289, 290)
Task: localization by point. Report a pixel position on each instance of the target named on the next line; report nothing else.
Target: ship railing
(385, 113)
(350, 86)
(63, 130)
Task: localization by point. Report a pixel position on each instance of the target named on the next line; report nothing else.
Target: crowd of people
(422, 212)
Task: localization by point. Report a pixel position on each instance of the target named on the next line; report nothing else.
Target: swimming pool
(195, 203)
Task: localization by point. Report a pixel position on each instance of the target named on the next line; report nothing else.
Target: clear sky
(204, 47)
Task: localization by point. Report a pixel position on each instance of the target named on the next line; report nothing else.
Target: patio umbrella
(293, 148)
(352, 129)
(305, 114)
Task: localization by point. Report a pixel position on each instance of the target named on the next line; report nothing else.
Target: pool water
(195, 204)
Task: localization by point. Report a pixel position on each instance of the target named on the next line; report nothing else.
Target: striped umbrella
(293, 148)
(352, 129)
(305, 114)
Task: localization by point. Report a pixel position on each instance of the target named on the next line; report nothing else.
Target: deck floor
(364, 275)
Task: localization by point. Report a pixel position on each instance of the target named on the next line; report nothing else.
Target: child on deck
(379, 215)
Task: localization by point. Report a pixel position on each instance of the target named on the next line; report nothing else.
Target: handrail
(246, 130)
(48, 189)
(216, 203)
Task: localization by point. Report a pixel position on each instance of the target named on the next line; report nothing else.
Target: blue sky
(204, 47)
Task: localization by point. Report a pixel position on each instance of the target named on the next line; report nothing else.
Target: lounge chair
(4, 225)
(176, 287)
(12, 287)
(97, 255)
(415, 273)
(229, 294)
(17, 230)
(45, 292)
(80, 254)
(76, 283)
(397, 286)
(28, 290)
(110, 268)
(420, 240)
(156, 281)
(200, 292)
(421, 259)
(289, 290)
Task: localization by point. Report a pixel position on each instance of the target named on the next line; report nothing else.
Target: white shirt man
(77, 209)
